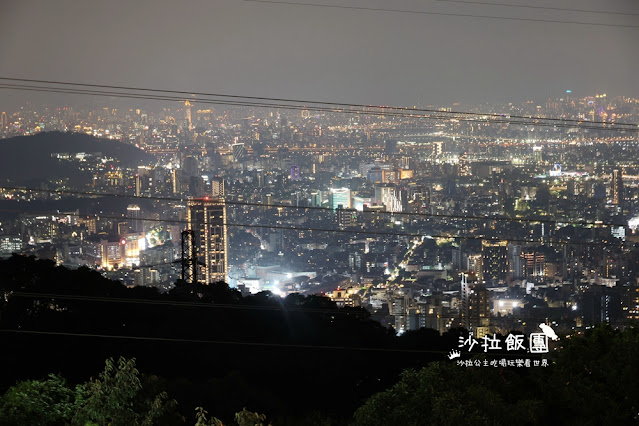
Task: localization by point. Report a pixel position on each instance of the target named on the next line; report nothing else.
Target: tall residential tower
(207, 220)
(617, 187)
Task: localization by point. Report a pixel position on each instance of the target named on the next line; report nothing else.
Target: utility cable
(328, 209)
(423, 12)
(283, 102)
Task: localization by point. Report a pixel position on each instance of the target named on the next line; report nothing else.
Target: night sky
(340, 55)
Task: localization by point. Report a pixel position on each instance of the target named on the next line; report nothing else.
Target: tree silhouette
(39, 402)
(113, 398)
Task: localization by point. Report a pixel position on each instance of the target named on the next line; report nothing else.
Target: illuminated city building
(114, 178)
(406, 174)
(464, 165)
(217, 188)
(438, 148)
(112, 253)
(617, 187)
(630, 303)
(316, 199)
(340, 196)
(188, 117)
(533, 264)
(207, 219)
(346, 217)
(10, 244)
(555, 171)
(132, 245)
(4, 121)
(134, 212)
(475, 307)
(375, 174)
(474, 265)
(146, 277)
(176, 181)
(391, 176)
(295, 172)
(406, 163)
(239, 152)
(537, 154)
(494, 260)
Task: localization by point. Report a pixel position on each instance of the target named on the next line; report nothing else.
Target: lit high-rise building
(630, 302)
(406, 163)
(533, 264)
(393, 198)
(464, 165)
(537, 154)
(176, 181)
(10, 244)
(138, 185)
(340, 196)
(134, 213)
(474, 265)
(475, 307)
(346, 217)
(438, 148)
(239, 152)
(316, 199)
(494, 260)
(188, 117)
(207, 219)
(217, 188)
(617, 187)
(4, 122)
(375, 174)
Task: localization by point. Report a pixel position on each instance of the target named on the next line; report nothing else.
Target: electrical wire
(282, 308)
(423, 12)
(262, 344)
(522, 6)
(317, 208)
(365, 109)
(342, 231)
(229, 343)
(586, 125)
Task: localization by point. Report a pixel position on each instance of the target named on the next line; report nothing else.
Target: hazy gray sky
(340, 55)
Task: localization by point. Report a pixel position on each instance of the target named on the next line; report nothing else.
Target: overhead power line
(228, 343)
(281, 309)
(522, 6)
(585, 125)
(339, 231)
(258, 344)
(424, 12)
(317, 208)
(240, 100)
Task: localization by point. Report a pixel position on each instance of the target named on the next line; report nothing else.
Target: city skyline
(473, 61)
(305, 212)
(494, 198)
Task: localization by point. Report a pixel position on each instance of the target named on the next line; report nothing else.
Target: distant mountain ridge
(27, 159)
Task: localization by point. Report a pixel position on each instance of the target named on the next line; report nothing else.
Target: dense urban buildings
(380, 211)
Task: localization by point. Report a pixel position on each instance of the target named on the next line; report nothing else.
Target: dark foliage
(298, 360)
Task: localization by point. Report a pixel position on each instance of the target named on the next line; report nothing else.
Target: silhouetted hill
(27, 159)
